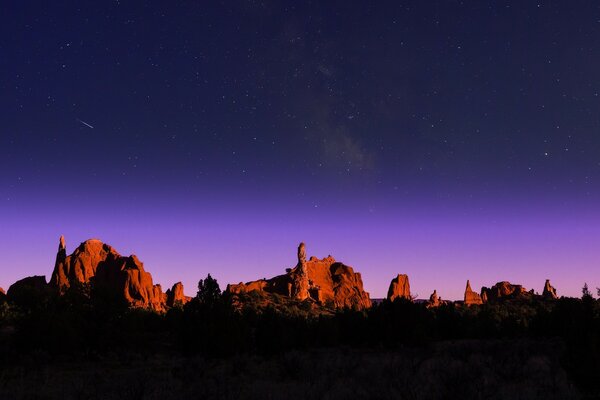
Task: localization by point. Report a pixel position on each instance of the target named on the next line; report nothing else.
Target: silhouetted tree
(209, 291)
(585, 292)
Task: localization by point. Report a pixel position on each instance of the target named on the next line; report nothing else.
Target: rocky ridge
(122, 277)
(324, 281)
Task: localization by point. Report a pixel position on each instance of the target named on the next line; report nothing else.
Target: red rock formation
(175, 295)
(399, 288)
(124, 276)
(471, 297)
(2, 295)
(549, 291)
(434, 300)
(325, 281)
(504, 290)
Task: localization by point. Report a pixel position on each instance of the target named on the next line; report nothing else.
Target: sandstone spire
(549, 291)
(399, 288)
(300, 284)
(470, 296)
(434, 300)
(301, 253)
(62, 245)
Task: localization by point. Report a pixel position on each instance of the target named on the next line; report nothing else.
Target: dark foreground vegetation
(84, 345)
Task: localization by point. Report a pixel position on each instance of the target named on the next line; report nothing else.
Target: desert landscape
(282, 199)
(101, 328)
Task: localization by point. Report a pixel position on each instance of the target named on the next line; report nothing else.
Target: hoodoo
(471, 298)
(324, 281)
(399, 288)
(549, 291)
(434, 300)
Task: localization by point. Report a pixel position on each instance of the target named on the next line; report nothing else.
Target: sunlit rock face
(325, 281)
(124, 277)
(505, 290)
(549, 291)
(471, 298)
(175, 295)
(399, 288)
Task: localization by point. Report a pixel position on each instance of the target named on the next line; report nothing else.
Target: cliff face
(325, 281)
(471, 298)
(399, 288)
(125, 277)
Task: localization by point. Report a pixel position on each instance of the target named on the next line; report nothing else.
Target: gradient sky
(446, 140)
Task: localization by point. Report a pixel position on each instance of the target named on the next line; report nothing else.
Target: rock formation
(175, 296)
(123, 276)
(2, 295)
(434, 300)
(301, 253)
(549, 291)
(28, 291)
(471, 297)
(399, 288)
(299, 287)
(504, 290)
(324, 281)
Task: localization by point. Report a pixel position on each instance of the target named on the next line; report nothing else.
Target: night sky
(446, 140)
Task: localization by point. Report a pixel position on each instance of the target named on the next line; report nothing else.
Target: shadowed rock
(28, 291)
(324, 281)
(434, 300)
(124, 277)
(399, 288)
(471, 298)
(549, 291)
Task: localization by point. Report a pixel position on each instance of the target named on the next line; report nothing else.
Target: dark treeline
(87, 324)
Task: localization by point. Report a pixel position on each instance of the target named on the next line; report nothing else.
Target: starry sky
(447, 140)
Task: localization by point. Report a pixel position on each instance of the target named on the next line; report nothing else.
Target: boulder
(175, 295)
(323, 281)
(124, 277)
(504, 290)
(549, 291)
(28, 291)
(471, 298)
(399, 288)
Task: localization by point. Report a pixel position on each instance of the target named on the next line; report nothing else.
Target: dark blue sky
(475, 111)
